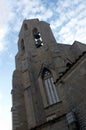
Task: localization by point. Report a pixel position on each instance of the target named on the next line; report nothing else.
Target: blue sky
(68, 22)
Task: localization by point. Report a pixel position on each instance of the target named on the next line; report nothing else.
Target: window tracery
(50, 88)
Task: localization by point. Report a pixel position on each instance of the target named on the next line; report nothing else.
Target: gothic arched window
(37, 37)
(50, 88)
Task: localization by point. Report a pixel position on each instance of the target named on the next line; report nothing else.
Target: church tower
(39, 103)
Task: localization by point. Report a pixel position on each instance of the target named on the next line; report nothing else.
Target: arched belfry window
(50, 88)
(37, 38)
(22, 45)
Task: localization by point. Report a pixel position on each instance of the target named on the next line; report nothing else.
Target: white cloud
(3, 33)
(5, 114)
(5, 16)
(47, 14)
(25, 9)
(67, 19)
(5, 117)
(55, 24)
(67, 16)
(5, 12)
(71, 23)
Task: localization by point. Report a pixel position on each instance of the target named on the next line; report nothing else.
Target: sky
(67, 19)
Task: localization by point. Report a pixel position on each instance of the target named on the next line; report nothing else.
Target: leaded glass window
(50, 88)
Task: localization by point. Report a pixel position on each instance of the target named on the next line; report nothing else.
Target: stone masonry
(49, 81)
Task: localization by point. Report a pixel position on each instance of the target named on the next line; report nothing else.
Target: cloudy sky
(68, 22)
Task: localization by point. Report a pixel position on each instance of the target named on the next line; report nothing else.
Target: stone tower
(48, 81)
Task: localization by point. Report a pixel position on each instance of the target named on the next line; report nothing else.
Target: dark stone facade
(49, 82)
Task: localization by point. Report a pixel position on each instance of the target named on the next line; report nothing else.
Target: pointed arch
(48, 88)
(37, 37)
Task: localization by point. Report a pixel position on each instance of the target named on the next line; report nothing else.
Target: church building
(49, 81)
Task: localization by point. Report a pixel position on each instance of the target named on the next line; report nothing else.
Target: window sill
(55, 110)
(48, 106)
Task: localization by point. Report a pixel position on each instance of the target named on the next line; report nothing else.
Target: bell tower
(37, 101)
